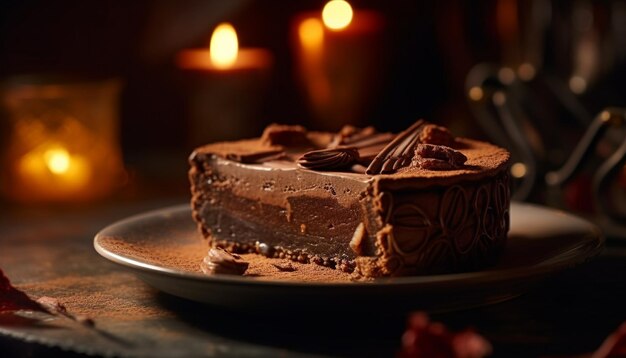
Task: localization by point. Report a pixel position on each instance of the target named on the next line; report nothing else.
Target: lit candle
(54, 172)
(339, 54)
(63, 144)
(225, 85)
(224, 54)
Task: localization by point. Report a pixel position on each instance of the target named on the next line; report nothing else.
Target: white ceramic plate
(542, 242)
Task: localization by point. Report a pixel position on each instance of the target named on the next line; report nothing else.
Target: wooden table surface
(49, 252)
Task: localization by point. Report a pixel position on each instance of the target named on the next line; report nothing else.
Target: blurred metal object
(538, 102)
(498, 104)
(502, 120)
(607, 174)
(605, 119)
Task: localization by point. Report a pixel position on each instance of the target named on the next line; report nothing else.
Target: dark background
(138, 40)
(429, 49)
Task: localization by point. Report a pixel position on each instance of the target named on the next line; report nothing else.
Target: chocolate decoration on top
(223, 262)
(437, 157)
(399, 152)
(285, 135)
(360, 138)
(256, 157)
(327, 159)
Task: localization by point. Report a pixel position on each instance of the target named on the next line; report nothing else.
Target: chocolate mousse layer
(417, 202)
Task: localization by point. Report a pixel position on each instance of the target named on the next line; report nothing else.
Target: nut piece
(437, 157)
(220, 261)
(433, 134)
(285, 135)
(356, 244)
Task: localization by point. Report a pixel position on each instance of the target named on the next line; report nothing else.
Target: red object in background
(578, 194)
(12, 299)
(424, 338)
(614, 345)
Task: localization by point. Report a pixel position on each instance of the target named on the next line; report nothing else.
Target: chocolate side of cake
(280, 212)
(441, 228)
(305, 196)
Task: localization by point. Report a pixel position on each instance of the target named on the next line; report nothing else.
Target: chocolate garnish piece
(220, 261)
(285, 135)
(399, 152)
(327, 159)
(256, 157)
(437, 157)
(360, 138)
(434, 134)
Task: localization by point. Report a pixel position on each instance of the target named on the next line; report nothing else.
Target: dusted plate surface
(542, 242)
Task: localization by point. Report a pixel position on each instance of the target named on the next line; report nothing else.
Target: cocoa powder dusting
(112, 296)
(187, 256)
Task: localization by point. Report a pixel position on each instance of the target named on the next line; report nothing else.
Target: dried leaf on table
(12, 299)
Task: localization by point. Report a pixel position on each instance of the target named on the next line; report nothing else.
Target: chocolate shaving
(285, 135)
(327, 159)
(437, 157)
(360, 138)
(256, 157)
(366, 140)
(220, 261)
(399, 152)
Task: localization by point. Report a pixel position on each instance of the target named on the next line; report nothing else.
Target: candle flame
(57, 160)
(224, 46)
(337, 14)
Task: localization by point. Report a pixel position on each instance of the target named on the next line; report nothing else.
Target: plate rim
(594, 235)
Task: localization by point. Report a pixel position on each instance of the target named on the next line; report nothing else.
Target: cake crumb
(285, 266)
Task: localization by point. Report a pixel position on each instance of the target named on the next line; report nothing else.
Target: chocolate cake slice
(418, 202)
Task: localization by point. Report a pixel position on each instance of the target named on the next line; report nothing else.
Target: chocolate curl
(399, 152)
(328, 159)
(220, 261)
